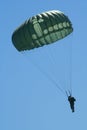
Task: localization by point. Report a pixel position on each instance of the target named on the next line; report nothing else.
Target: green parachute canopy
(42, 29)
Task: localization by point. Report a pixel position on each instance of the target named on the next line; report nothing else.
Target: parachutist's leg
(72, 110)
(72, 107)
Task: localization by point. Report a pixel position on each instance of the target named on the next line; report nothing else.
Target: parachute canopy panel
(42, 29)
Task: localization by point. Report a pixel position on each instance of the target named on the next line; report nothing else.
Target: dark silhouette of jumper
(71, 101)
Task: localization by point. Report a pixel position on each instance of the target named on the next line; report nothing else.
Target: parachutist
(71, 101)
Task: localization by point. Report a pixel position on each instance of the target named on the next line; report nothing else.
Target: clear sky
(29, 98)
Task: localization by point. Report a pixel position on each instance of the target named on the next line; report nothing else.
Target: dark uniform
(71, 101)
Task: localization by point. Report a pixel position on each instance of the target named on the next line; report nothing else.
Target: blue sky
(29, 99)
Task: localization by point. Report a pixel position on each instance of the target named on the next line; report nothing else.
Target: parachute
(42, 29)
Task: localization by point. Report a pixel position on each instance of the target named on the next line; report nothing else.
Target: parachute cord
(68, 93)
(68, 62)
(49, 77)
(70, 59)
(54, 62)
